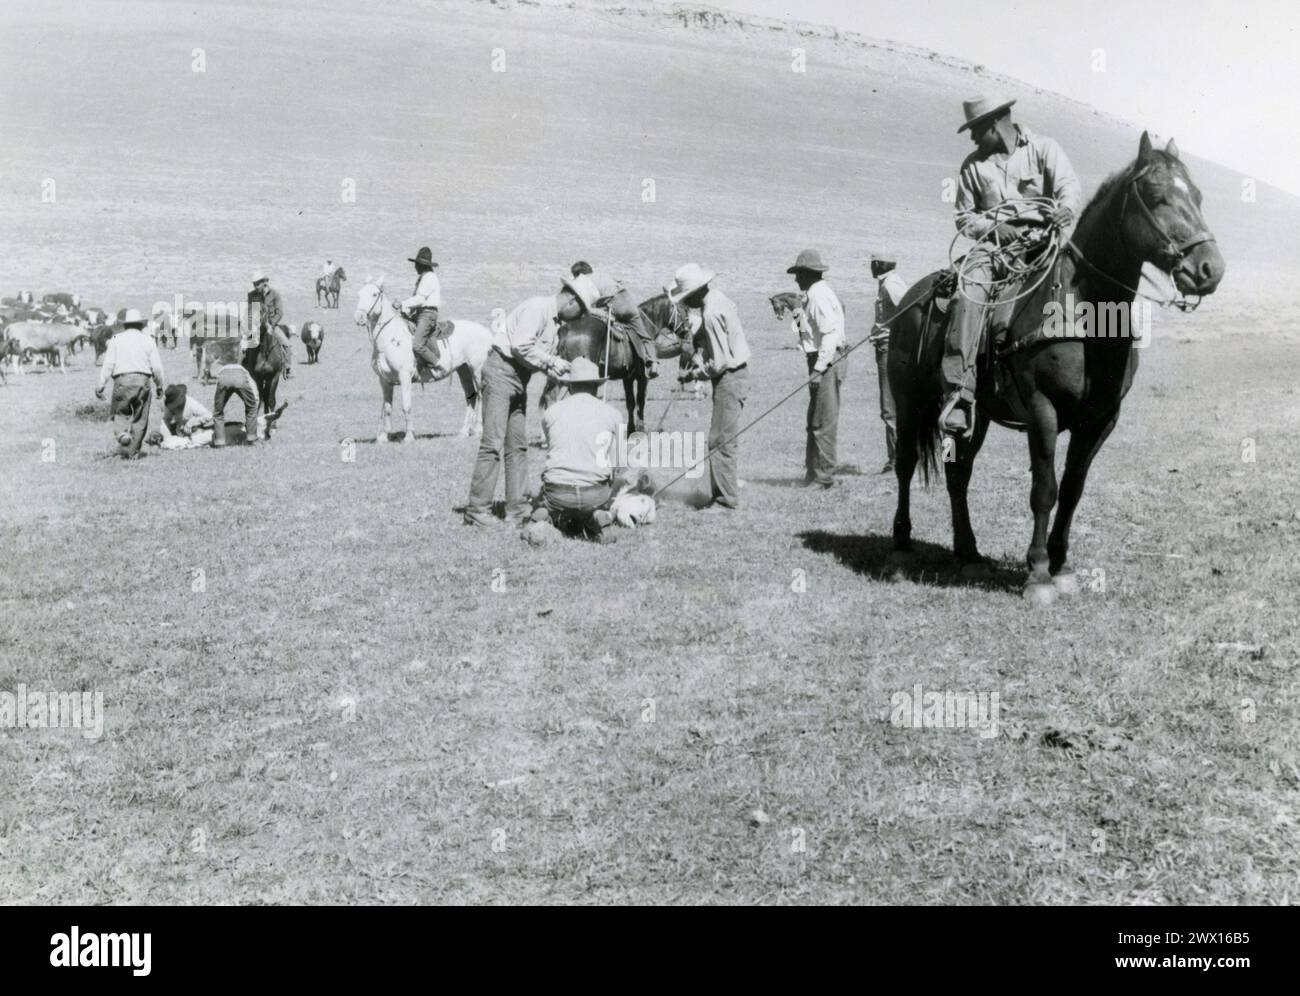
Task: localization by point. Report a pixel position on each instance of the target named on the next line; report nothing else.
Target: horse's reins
(376, 329)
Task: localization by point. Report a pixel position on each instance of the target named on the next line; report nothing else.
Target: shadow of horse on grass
(871, 556)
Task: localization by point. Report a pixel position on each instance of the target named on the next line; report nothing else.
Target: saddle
(996, 390)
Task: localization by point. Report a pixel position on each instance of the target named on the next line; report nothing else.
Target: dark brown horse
(587, 336)
(266, 366)
(674, 336)
(1150, 212)
(328, 287)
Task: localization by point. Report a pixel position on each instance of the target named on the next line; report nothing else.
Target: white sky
(1221, 76)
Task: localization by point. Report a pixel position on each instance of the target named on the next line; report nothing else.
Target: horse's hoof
(1040, 593)
(976, 570)
(900, 564)
(381, 438)
(408, 437)
(1066, 582)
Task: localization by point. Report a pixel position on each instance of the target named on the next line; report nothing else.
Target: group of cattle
(58, 326)
(49, 330)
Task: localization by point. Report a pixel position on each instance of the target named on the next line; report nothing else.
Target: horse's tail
(928, 435)
(918, 399)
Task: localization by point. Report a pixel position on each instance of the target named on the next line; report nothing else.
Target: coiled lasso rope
(1044, 240)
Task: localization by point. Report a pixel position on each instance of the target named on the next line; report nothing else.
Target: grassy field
(368, 701)
(320, 687)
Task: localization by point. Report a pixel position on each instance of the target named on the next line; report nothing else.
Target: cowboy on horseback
(1009, 164)
(422, 308)
(270, 313)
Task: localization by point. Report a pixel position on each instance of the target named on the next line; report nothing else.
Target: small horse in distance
(328, 287)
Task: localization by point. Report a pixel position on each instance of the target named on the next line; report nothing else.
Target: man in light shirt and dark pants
(821, 332)
(889, 295)
(521, 344)
(723, 358)
(581, 439)
(130, 361)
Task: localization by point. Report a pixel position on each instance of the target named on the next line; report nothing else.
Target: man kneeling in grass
(186, 423)
(581, 436)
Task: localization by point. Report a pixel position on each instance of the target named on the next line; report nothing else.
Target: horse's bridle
(1171, 254)
(379, 300)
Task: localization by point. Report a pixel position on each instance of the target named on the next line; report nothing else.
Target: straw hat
(260, 278)
(130, 318)
(584, 289)
(687, 280)
(978, 108)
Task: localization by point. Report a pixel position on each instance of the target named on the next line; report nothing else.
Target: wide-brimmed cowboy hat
(174, 399)
(687, 280)
(881, 265)
(128, 317)
(423, 257)
(978, 108)
(584, 289)
(809, 259)
(259, 277)
(582, 371)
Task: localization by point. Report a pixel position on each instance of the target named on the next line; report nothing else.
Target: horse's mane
(1107, 188)
(1123, 177)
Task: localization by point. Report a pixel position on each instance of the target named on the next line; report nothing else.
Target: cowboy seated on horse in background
(1014, 169)
(265, 313)
(422, 308)
(581, 437)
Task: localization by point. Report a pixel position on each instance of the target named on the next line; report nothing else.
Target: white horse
(393, 358)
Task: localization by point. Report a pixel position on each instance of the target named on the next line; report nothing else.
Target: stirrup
(970, 419)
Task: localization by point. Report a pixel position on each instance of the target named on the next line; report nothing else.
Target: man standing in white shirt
(821, 331)
(130, 361)
(723, 357)
(521, 344)
(889, 295)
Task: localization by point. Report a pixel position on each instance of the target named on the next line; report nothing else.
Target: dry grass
(350, 712)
